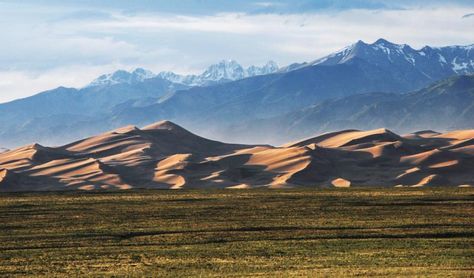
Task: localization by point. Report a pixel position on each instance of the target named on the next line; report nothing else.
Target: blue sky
(48, 43)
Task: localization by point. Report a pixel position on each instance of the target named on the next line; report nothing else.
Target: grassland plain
(279, 233)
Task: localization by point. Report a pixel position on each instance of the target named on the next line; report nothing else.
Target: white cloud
(296, 37)
(266, 4)
(19, 84)
(47, 51)
(221, 23)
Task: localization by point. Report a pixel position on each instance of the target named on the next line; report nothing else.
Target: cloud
(19, 84)
(468, 15)
(220, 23)
(264, 4)
(305, 34)
(44, 47)
(267, 4)
(83, 15)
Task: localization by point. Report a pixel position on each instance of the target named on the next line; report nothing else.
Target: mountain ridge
(223, 71)
(403, 53)
(445, 105)
(77, 113)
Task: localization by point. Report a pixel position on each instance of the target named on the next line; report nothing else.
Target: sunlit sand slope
(164, 155)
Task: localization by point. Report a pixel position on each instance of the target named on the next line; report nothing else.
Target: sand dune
(164, 155)
(340, 182)
(351, 137)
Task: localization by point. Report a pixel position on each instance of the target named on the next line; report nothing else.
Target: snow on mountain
(122, 76)
(171, 76)
(269, 67)
(429, 60)
(225, 70)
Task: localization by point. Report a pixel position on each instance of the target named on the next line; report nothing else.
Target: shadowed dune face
(164, 155)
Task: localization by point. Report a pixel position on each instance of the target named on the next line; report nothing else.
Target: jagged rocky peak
(359, 43)
(171, 76)
(232, 70)
(382, 41)
(396, 48)
(225, 69)
(123, 77)
(143, 73)
(269, 67)
(428, 60)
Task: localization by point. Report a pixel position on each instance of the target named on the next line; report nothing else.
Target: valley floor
(335, 232)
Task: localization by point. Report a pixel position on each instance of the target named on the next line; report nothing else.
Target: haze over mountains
(164, 155)
(363, 86)
(447, 104)
(224, 71)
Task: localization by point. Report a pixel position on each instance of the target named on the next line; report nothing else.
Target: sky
(49, 43)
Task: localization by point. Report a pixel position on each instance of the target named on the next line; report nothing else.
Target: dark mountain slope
(445, 105)
(359, 68)
(72, 113)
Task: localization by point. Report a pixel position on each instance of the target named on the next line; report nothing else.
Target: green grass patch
(217, 233)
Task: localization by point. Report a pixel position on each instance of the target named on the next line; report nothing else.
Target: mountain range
(447, 105)
(165, 155)
(353, 85)
(224, 71)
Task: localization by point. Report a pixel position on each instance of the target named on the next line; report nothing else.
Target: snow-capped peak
(171, 76)
(122, 76)
(269, 67)
(224, 70)
(384, 42)
(457, 59)
(142, 74)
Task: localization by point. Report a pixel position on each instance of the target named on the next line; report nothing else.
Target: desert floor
(334, 232)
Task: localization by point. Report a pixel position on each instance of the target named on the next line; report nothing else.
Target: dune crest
(167, 156)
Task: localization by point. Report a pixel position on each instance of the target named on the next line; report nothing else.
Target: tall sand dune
(166, 156)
